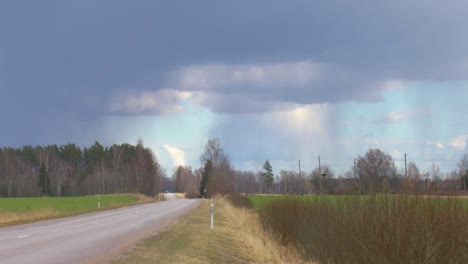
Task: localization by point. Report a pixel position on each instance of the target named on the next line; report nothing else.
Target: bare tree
(221, 179)
(185, 180)
(71, 155)
(116, 164)
(414, 181)
(436, 175)
(374, 169)
(463, 167)
(10, 165)
(291, 182)
(140, 164)
(319, 178)
(214, 153)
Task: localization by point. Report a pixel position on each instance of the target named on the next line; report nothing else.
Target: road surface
(89, 238)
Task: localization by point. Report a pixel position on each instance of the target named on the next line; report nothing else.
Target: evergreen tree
(44, 180)
(207, 170)
(268, 175)
(178, 179)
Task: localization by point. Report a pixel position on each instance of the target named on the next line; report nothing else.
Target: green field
(64, 204)
(28, 209)
(261, 201)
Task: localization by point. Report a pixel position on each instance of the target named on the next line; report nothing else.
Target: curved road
(89, 238)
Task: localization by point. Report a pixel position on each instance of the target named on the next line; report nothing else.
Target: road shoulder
(190, 240)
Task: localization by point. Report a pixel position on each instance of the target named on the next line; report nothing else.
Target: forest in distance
(69, 170)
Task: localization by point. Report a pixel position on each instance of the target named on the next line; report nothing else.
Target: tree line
(374, 172)
(68, 170)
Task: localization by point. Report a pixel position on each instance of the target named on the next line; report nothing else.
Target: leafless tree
(291, 182)
(414, 181)
(221, 179)
(185, 180)
(319, 178)
(116, 166)
(374, 169)
(10, 169)
(463, 168)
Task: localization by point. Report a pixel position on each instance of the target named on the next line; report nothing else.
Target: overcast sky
(283, 80)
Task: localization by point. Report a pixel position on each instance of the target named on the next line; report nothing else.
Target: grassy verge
(23, 210)
(371, 229)
(238, 237)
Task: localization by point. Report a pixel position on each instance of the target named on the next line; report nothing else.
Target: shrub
(373, 229)
(239, 201)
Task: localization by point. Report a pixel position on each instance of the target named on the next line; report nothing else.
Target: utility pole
(320, 169)
(300, 174)
(354, 167)
(320, 177)
(406, 173)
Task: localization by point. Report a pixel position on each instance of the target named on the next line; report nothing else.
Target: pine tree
(44, 180)
(207, 170)
(268, 175)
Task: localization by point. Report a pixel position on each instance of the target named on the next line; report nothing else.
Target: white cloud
(307, 125)
(163, 102)
(395, 84)
(403, 115)
(308, 119)
(177, 155)
(439, 145)
(459, 141)
(256, 88)
(215, 76)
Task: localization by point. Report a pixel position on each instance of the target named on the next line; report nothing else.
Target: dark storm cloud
(65, 60)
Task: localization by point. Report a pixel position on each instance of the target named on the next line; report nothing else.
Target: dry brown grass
(238, 237)
(180, 195)
(190, 240)
(143, 198)
(373, 229)
(264, 246)
(10, 217)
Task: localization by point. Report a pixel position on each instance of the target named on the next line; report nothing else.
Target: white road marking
(55, 230)
(23, 236)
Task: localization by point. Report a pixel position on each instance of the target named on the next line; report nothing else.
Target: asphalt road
(89, 238)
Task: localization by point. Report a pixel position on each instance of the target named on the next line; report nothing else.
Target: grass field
(369, 229)
(18, 210)
(261, 201)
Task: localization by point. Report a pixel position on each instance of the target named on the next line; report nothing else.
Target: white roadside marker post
(99, 202)
(212, 212)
